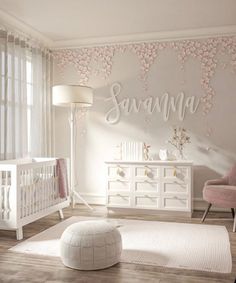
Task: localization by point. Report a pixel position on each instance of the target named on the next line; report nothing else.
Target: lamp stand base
(76, 194)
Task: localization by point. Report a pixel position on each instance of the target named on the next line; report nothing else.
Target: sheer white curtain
(26, 116)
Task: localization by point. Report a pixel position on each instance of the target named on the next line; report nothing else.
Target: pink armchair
(221, 192)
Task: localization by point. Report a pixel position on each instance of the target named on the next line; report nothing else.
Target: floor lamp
(75, 97)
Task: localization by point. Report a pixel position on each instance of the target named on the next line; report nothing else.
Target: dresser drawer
(175, 187)
(118, 185)
(146, 172)
(175, 203)
(177, 172)
(119, 199)
(146, 186)
(146, 201)
(119, 172)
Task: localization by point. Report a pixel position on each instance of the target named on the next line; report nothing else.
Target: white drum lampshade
(65, 95)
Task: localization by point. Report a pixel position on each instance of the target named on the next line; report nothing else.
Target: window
(25, 110)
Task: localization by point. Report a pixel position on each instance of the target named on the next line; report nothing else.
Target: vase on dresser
(179, 154)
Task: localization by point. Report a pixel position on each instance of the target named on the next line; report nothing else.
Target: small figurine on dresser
(146, 151)
(164, 154)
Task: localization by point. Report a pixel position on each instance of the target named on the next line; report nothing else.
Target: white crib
(28, 191)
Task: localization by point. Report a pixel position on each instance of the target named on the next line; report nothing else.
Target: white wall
(213, 136)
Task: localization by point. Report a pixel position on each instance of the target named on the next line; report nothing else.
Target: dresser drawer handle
(119, 195)
(147, 173)
(150, 197)
(120, 171)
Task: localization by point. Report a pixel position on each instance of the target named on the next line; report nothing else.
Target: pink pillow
(232, 176)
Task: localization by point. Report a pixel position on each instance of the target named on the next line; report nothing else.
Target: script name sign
(164, 104)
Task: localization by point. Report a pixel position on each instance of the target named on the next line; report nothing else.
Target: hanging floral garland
(205, 50)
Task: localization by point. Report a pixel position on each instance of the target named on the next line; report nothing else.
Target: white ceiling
(63, 20)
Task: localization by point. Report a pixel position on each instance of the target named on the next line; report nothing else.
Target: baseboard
(93, 198)
(198, 203)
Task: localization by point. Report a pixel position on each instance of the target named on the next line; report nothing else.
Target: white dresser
(155, 185)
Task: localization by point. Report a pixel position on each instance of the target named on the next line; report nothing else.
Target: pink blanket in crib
(62, 177)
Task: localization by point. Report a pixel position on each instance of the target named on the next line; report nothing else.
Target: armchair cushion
(220, 195)
(220, 181)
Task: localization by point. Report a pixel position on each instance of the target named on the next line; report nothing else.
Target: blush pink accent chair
(221, 192)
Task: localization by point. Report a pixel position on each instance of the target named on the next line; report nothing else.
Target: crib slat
(28, 189)
(23, 192)
(35, 193)
(53, 185)
(1, 189)
(5, 195)
(55, 188)
(45, 187)
(35, 190)
(8, 201)
(48, 186)
(21, 195)
(34, 180)
(42, 188)
(39, 192)
(25, 196)
(31, 180)
(3, 202)
(39, 189)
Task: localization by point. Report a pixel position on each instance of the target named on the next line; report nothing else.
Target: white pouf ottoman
(90, 245)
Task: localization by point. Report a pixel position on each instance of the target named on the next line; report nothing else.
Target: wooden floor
(17, 267)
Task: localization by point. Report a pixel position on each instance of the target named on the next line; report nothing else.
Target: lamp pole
(72, 153)
(73, 158)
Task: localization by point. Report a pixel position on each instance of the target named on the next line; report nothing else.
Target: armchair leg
(206, 212)
(233, 212)
(234, 227)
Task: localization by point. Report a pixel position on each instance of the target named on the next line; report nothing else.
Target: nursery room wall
(194, 77)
